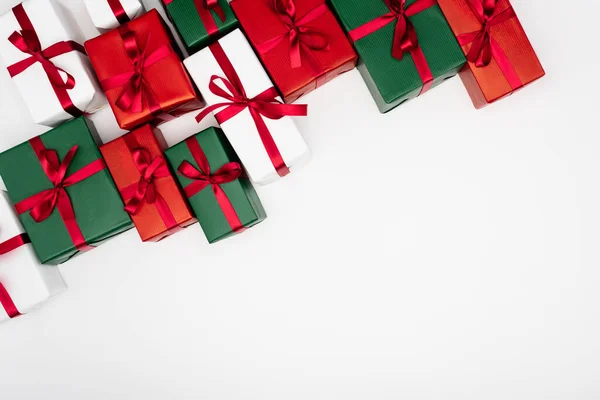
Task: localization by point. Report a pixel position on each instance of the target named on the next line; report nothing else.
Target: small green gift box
(63, 193)
(405, 47)
(210, 173)
(201, 22)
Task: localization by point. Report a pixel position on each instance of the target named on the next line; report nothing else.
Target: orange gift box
(151, 195)
(501, 58)
(141, 74)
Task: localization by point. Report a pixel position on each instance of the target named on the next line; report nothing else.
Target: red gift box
(142, 76)
(300, 42)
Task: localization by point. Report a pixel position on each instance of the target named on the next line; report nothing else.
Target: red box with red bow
(300, 42)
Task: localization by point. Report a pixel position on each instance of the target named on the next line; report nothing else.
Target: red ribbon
(203, 177)
(28, 42)
(8, 303)
(118, 11)
(136, 87)
(483, 46)
(145, 191)
(405, 35)
(42, 204)
(299, 36)
(13, 243)
(263, 105)
(6, 247)
(204, 8)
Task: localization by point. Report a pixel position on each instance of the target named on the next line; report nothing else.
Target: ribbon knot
(150, 170)
(405, 34)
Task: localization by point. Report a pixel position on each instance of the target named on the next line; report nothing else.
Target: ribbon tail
(8, 303)
(269, 144)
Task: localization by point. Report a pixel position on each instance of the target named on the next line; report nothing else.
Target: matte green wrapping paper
(96, 203)
(200, 27)
(392, 81)
(240, 193)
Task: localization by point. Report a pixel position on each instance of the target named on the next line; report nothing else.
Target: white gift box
(27, 282)
(53, 24)
(103, 16)
(241, 129)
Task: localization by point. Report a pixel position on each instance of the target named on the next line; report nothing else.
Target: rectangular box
(513, 63)
(242, 129)
(151, 195)
(302, 47)
(63, 193)
(52, 34)
(108, 14)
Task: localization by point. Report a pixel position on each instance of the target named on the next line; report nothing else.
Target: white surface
(433, 253)
(241, 130)
(102, 15)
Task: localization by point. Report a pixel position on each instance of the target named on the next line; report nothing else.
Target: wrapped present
(406, 46)
(141, 74)
(24, 282)
(299, 42)
(208, 169)
(256, 122)
(63, 193)
(108, 14)
(500, 57)
(40, 46)
(151, 195)
(201, 22)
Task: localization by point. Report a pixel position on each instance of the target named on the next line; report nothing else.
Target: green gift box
(63, 193)
(427, 47)
(210, 173)
(201, 22)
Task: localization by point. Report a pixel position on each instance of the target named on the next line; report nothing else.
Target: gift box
(41, 49)
(239, 92)
(141, 74)
(299, 42)
(108, 14)
(208, 169)
(201, 22)
(24, 282)
(63, 192)
(405, 46)
(500, 57)
(151, 195)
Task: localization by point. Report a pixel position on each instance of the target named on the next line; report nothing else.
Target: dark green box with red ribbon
(201, 22)
(405, 46)
(221, 196)
(65, 196)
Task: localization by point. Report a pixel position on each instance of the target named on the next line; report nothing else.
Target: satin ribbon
(136, 88)
(203, 177)
(8, 303)
(264, 105)
(405, 35)
(27, 41)
(13, 243)
(145, 191)
(118, 11)
(483, 46)
(301, 38)
(41, 205)
(204, 8)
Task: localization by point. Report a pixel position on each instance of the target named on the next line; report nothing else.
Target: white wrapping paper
(103, 16)
(241, 129)
(27, 282)
(52, 24)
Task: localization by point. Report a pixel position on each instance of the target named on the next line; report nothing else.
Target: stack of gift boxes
(250, 62)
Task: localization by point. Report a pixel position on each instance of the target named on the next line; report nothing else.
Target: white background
(436, 252)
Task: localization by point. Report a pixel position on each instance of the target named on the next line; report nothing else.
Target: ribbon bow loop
(405, 34)
(150, 170)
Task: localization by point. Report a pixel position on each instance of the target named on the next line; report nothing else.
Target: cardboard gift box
(405, 46)
(208, 169)
(141, 74)
(201, 22)
(500, 57)
(151, 195)
(41, 48)
(299, 42)
(24, 282)
(108, 14)
(239, 92)
(63, 193)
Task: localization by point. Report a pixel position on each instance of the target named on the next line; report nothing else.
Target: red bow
(486, 11)
(299, 35)
(145, 190)
(28, 42)
(203, 177)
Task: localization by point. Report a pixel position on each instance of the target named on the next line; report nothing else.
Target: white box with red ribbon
(109, 14)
